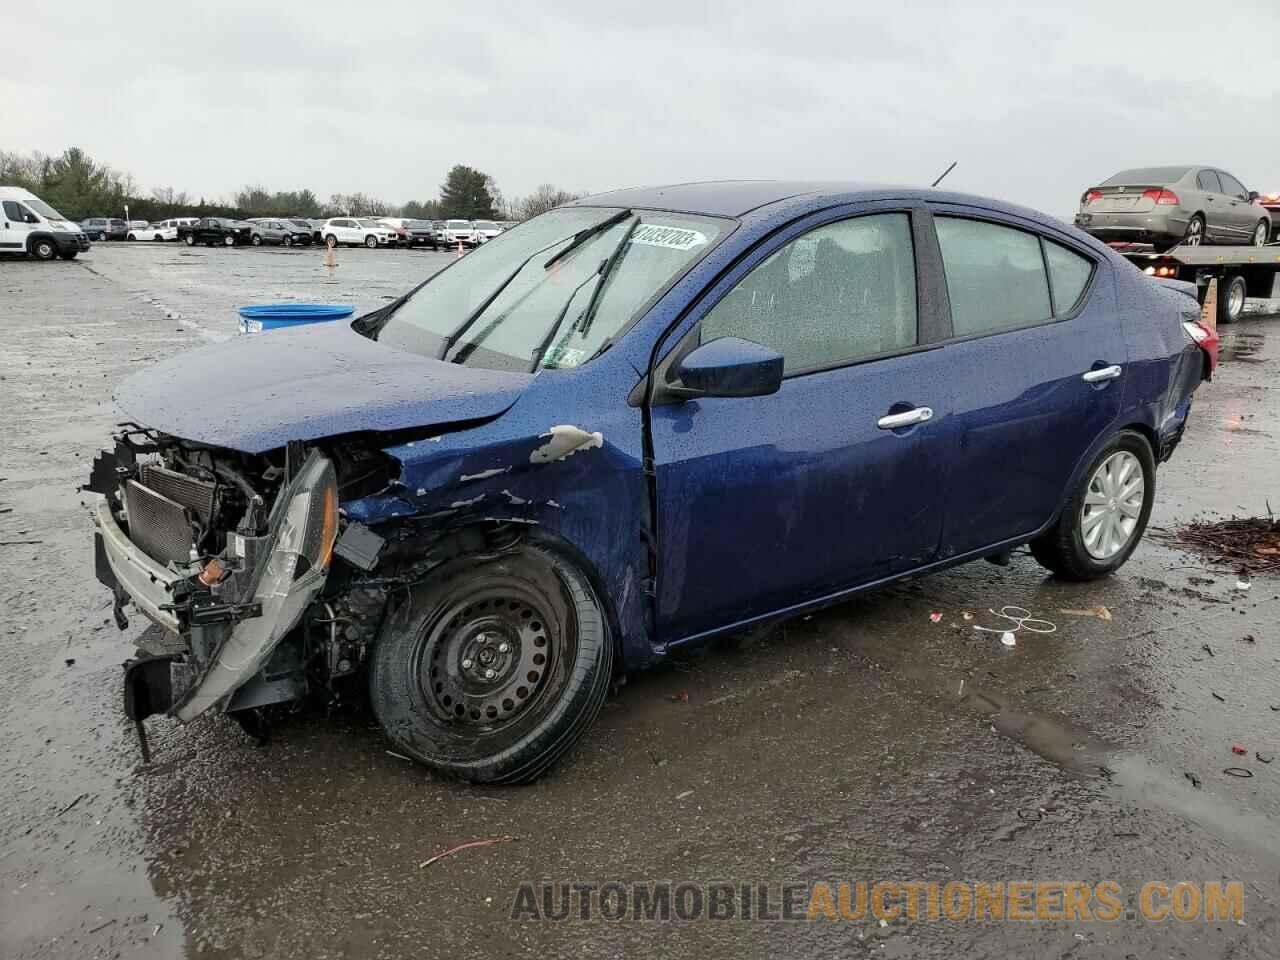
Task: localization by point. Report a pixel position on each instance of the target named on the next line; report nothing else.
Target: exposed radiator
(160, 526)
(178, 487)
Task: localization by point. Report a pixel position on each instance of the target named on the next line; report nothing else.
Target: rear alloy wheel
(1262, 233)
(493, 670)
(371, 241)
(331, 241)
(43, 249)
(256, 241)
(1195, 232)
(288, 240)
(229, 240)
(1232, 293)
(1103, 519)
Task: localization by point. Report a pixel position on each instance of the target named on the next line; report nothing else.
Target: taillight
(1161, 196)
(1092, 195)
(1206, 339)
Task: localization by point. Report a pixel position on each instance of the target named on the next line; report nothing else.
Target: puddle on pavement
(1241, 346)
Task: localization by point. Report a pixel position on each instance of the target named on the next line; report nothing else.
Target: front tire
(494, 669)
(371, 242)
(331, 242)
(1261, 233)
(256, 241)
(190, 240)
(43, 249)
(1105, 516)
(1194, 236)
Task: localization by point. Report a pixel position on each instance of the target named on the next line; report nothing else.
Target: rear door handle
(1097, 376)
(893, 421)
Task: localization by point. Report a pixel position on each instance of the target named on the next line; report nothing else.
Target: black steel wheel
(493, 670)
(43, 249)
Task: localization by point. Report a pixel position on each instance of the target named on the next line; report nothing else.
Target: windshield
(459, 224)
(510, 332)
(42, 208)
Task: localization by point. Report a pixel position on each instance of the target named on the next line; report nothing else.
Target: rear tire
(1232, 293)
(1094, 508)
(528, 618)
(190, 240)
(331, 241)
(256, 241)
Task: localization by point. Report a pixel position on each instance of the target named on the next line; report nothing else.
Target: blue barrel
(276, 316)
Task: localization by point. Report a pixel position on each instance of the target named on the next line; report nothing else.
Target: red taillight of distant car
(1206, 339)
(1161, 196)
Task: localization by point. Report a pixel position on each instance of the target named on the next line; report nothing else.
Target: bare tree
(546, 197)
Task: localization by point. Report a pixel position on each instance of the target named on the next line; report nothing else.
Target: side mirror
(31, 218)
(729, 367)
(1253, 195)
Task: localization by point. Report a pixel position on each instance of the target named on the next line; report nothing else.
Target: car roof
(750, 200)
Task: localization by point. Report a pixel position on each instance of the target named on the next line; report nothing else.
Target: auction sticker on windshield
(673, 238)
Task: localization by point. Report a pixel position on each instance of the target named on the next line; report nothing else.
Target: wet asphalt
(866, 742)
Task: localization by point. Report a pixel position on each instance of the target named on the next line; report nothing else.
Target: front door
(768, 502)
(15, 226)
(1037, 364)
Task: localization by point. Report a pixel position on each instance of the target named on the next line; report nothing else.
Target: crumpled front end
(226, 551)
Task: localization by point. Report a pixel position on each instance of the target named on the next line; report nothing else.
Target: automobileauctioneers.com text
(851, 901)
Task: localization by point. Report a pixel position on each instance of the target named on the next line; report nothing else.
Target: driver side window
(839, 293)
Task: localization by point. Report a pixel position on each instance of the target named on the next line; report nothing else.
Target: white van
(30, 226)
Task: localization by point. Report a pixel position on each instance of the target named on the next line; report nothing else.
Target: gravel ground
(863, 743)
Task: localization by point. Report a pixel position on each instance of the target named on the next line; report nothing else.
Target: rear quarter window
(1069, 274)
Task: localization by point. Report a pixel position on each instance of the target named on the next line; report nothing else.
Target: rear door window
(839, 293)
(996, 276)
(1207, 181)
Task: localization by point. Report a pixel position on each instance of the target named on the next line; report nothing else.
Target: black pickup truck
(212, 231)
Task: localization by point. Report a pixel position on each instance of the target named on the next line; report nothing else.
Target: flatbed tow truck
(1240, 272)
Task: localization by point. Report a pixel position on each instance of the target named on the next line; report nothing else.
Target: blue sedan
(624, 427)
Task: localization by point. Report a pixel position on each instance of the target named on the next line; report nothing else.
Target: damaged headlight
(302, 529)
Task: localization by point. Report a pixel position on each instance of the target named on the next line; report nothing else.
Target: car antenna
(944, 173)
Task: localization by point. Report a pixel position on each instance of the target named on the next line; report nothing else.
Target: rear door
(767, 502)
(1036, 366)
(1217, 218)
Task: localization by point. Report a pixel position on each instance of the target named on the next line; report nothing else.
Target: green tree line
(78, 186)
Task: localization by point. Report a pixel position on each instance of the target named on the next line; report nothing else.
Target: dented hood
(258, 392)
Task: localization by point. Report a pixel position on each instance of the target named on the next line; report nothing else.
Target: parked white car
(164, 230)
(352, 231)
(485, 230)
(463, 231)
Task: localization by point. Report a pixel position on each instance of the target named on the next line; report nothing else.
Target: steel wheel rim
(1112, 505)
(487, 658)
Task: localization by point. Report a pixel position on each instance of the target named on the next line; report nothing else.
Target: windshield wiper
(600, 275)
(550, 335)
(457, 332)
(584, 324)
(585, 235)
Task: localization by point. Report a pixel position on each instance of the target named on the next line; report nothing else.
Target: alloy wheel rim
(1193, 234)
(1260, 235)
(1112, 505)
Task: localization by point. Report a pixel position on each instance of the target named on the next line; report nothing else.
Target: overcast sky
(383, 97)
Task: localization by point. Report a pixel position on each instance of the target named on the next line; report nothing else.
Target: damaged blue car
(623, 427)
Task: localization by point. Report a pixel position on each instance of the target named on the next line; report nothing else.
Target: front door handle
(1097, 376)
(893, 421)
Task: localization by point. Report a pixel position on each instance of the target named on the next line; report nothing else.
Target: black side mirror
(31, 218)
(1253, 195)
(729, 367)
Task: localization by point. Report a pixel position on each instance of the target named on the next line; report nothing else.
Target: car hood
(260, 391)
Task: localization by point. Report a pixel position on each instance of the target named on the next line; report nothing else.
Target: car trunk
(1122, 198)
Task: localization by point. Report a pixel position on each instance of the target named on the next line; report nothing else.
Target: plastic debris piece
(1219, 697)
(683, 794)
(1102, 613)
(1262, 759)
(1243, 583)
(967, 615)
(935, 617)
(1008, 639)
(1238, 772)
(1239, 750)
(1207, 649)
(1195, 781)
